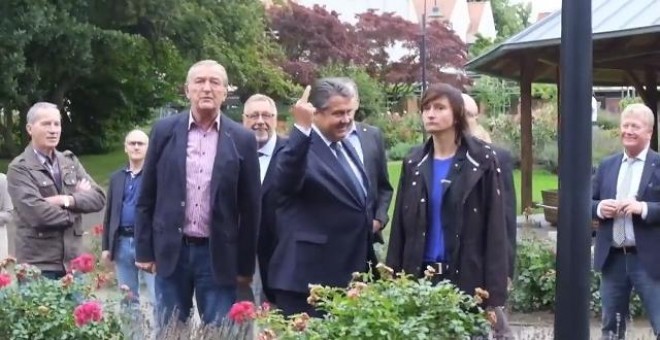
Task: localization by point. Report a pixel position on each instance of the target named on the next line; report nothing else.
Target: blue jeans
(622, 273)
(128, 274)
(193, 275)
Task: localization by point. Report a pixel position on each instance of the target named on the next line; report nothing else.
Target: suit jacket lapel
(649, 167)
(367, 144)
(325, 154)
(181, 148)
(279, 144)
(225, 154)
(352, 153)
(118, 196)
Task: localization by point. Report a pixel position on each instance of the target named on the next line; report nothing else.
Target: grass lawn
(541, 180)
(100, 167)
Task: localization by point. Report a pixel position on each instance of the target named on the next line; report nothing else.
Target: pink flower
(90, 311)
(242, 311)
(97, 230)
(83, 263)
(5, 280)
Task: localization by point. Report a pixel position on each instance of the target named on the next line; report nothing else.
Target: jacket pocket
(303, 236)
(40, 246)
(309, 249)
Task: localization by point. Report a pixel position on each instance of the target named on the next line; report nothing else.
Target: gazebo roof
(626, 44)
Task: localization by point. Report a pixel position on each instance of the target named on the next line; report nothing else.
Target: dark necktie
(343, 161)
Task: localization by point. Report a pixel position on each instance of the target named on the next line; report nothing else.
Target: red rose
(242, 311)
(90, 311)
(97, 230)
(83, 263)
(5, 280)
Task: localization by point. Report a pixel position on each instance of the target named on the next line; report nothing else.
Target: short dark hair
(326, 88)
(455, 98)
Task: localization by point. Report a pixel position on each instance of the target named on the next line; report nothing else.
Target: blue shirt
(435, 241)
(129, 199)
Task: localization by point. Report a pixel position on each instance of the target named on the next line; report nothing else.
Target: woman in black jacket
(449, 212)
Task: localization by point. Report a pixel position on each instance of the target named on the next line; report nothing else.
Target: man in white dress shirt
(626, 200)
(260, 116)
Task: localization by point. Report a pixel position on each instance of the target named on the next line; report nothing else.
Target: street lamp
(435, 14)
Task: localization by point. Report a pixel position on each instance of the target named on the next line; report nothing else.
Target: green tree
(110, 63)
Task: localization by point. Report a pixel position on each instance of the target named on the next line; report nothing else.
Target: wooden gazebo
(626, 52)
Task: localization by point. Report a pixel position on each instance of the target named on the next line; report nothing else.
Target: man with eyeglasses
(118, 243)
(260, 116)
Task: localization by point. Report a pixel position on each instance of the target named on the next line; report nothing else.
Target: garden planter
(551, 206)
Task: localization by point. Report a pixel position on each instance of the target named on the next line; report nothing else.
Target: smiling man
(50, 191)
(324, 218)
(260, 116)
(198, 211)
(626, 200)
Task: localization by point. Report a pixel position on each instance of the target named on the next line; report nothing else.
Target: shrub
(534, 284)
(397, 129)
(37, 308)
(393, 307)
(608, 121)
(399, 151)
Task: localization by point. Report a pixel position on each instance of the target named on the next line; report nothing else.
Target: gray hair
(642, 110)
(352, 85)
(326, 88)
(209, 62)
(34, 110)
(260, 98)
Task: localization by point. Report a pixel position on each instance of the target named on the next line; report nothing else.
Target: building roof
(626, 40)
(475, 10)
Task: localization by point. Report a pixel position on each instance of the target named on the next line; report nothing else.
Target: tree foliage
(110, 63)
(446, 53)
(314, 37)
(311, 38)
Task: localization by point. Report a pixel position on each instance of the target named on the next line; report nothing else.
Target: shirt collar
(45, 159)
(641, 157)
(352, 129)
(191, 121)
(318, 132)
(269, 147)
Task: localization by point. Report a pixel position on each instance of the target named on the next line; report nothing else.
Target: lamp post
(435, 14)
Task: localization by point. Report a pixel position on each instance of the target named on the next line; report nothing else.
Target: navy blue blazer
(113, 209)
(235, 199)
(323, 227)
(267, 237)
(647, 231)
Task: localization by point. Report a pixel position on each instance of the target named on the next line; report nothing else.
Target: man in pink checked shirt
(198, 210)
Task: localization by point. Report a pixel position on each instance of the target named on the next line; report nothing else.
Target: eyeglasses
(256, 115)
(136, 143)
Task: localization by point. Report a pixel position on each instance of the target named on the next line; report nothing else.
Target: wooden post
(652, 102)
(526, 157)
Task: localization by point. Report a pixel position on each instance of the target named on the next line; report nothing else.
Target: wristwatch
(66, 202)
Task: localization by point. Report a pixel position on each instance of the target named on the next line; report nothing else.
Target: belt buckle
(439, 266)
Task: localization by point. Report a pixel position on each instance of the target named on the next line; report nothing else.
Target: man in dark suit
(324, 218)
(369, 144)
(502, 330)
(626, 200)
(200, 204)
(260, 116)
(118, 240)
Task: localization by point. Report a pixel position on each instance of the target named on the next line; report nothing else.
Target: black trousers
(294, 303)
